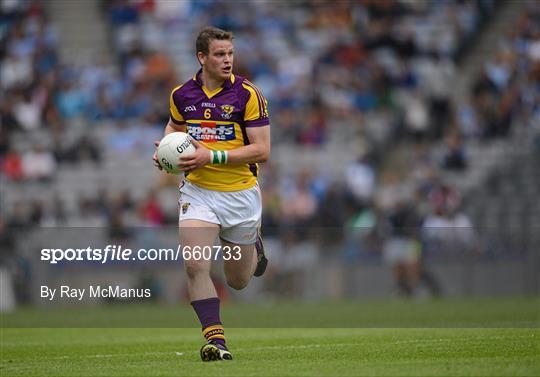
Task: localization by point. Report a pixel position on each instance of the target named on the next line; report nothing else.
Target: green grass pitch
(472, 337)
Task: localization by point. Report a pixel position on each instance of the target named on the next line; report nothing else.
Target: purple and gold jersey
(219, 120)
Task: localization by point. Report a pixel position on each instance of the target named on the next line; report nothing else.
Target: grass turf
(471, 341)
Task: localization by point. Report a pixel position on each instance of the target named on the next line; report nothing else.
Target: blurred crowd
(383, 66)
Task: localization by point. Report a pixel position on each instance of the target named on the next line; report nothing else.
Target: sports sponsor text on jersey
(211, 131)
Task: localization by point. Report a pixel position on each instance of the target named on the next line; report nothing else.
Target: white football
(171, 147)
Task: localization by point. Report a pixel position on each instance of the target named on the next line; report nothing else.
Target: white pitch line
(177, 353)
(299, 346)
(99, 356)
(446, 340)
(286, 347)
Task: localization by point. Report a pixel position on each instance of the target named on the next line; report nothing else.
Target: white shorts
(237, 212)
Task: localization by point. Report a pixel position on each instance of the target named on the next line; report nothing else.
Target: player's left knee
(237, 283)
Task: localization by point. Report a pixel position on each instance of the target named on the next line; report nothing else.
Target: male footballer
(227, 117)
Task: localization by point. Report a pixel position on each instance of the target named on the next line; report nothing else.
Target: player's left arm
(257, 151)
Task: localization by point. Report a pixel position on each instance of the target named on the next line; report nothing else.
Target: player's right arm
(176, 124)
(173, 127)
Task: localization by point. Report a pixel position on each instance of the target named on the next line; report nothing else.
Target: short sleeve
(256, 114)
(175, 115)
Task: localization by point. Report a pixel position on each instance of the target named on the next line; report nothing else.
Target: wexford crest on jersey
(226, 111)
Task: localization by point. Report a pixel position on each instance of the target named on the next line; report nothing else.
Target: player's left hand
(196, 160)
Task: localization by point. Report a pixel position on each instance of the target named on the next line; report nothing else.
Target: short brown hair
(207, 35)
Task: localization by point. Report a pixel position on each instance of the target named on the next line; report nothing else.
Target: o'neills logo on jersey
(211, 132)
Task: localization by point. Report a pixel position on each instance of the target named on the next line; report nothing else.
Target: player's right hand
(154, 157)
